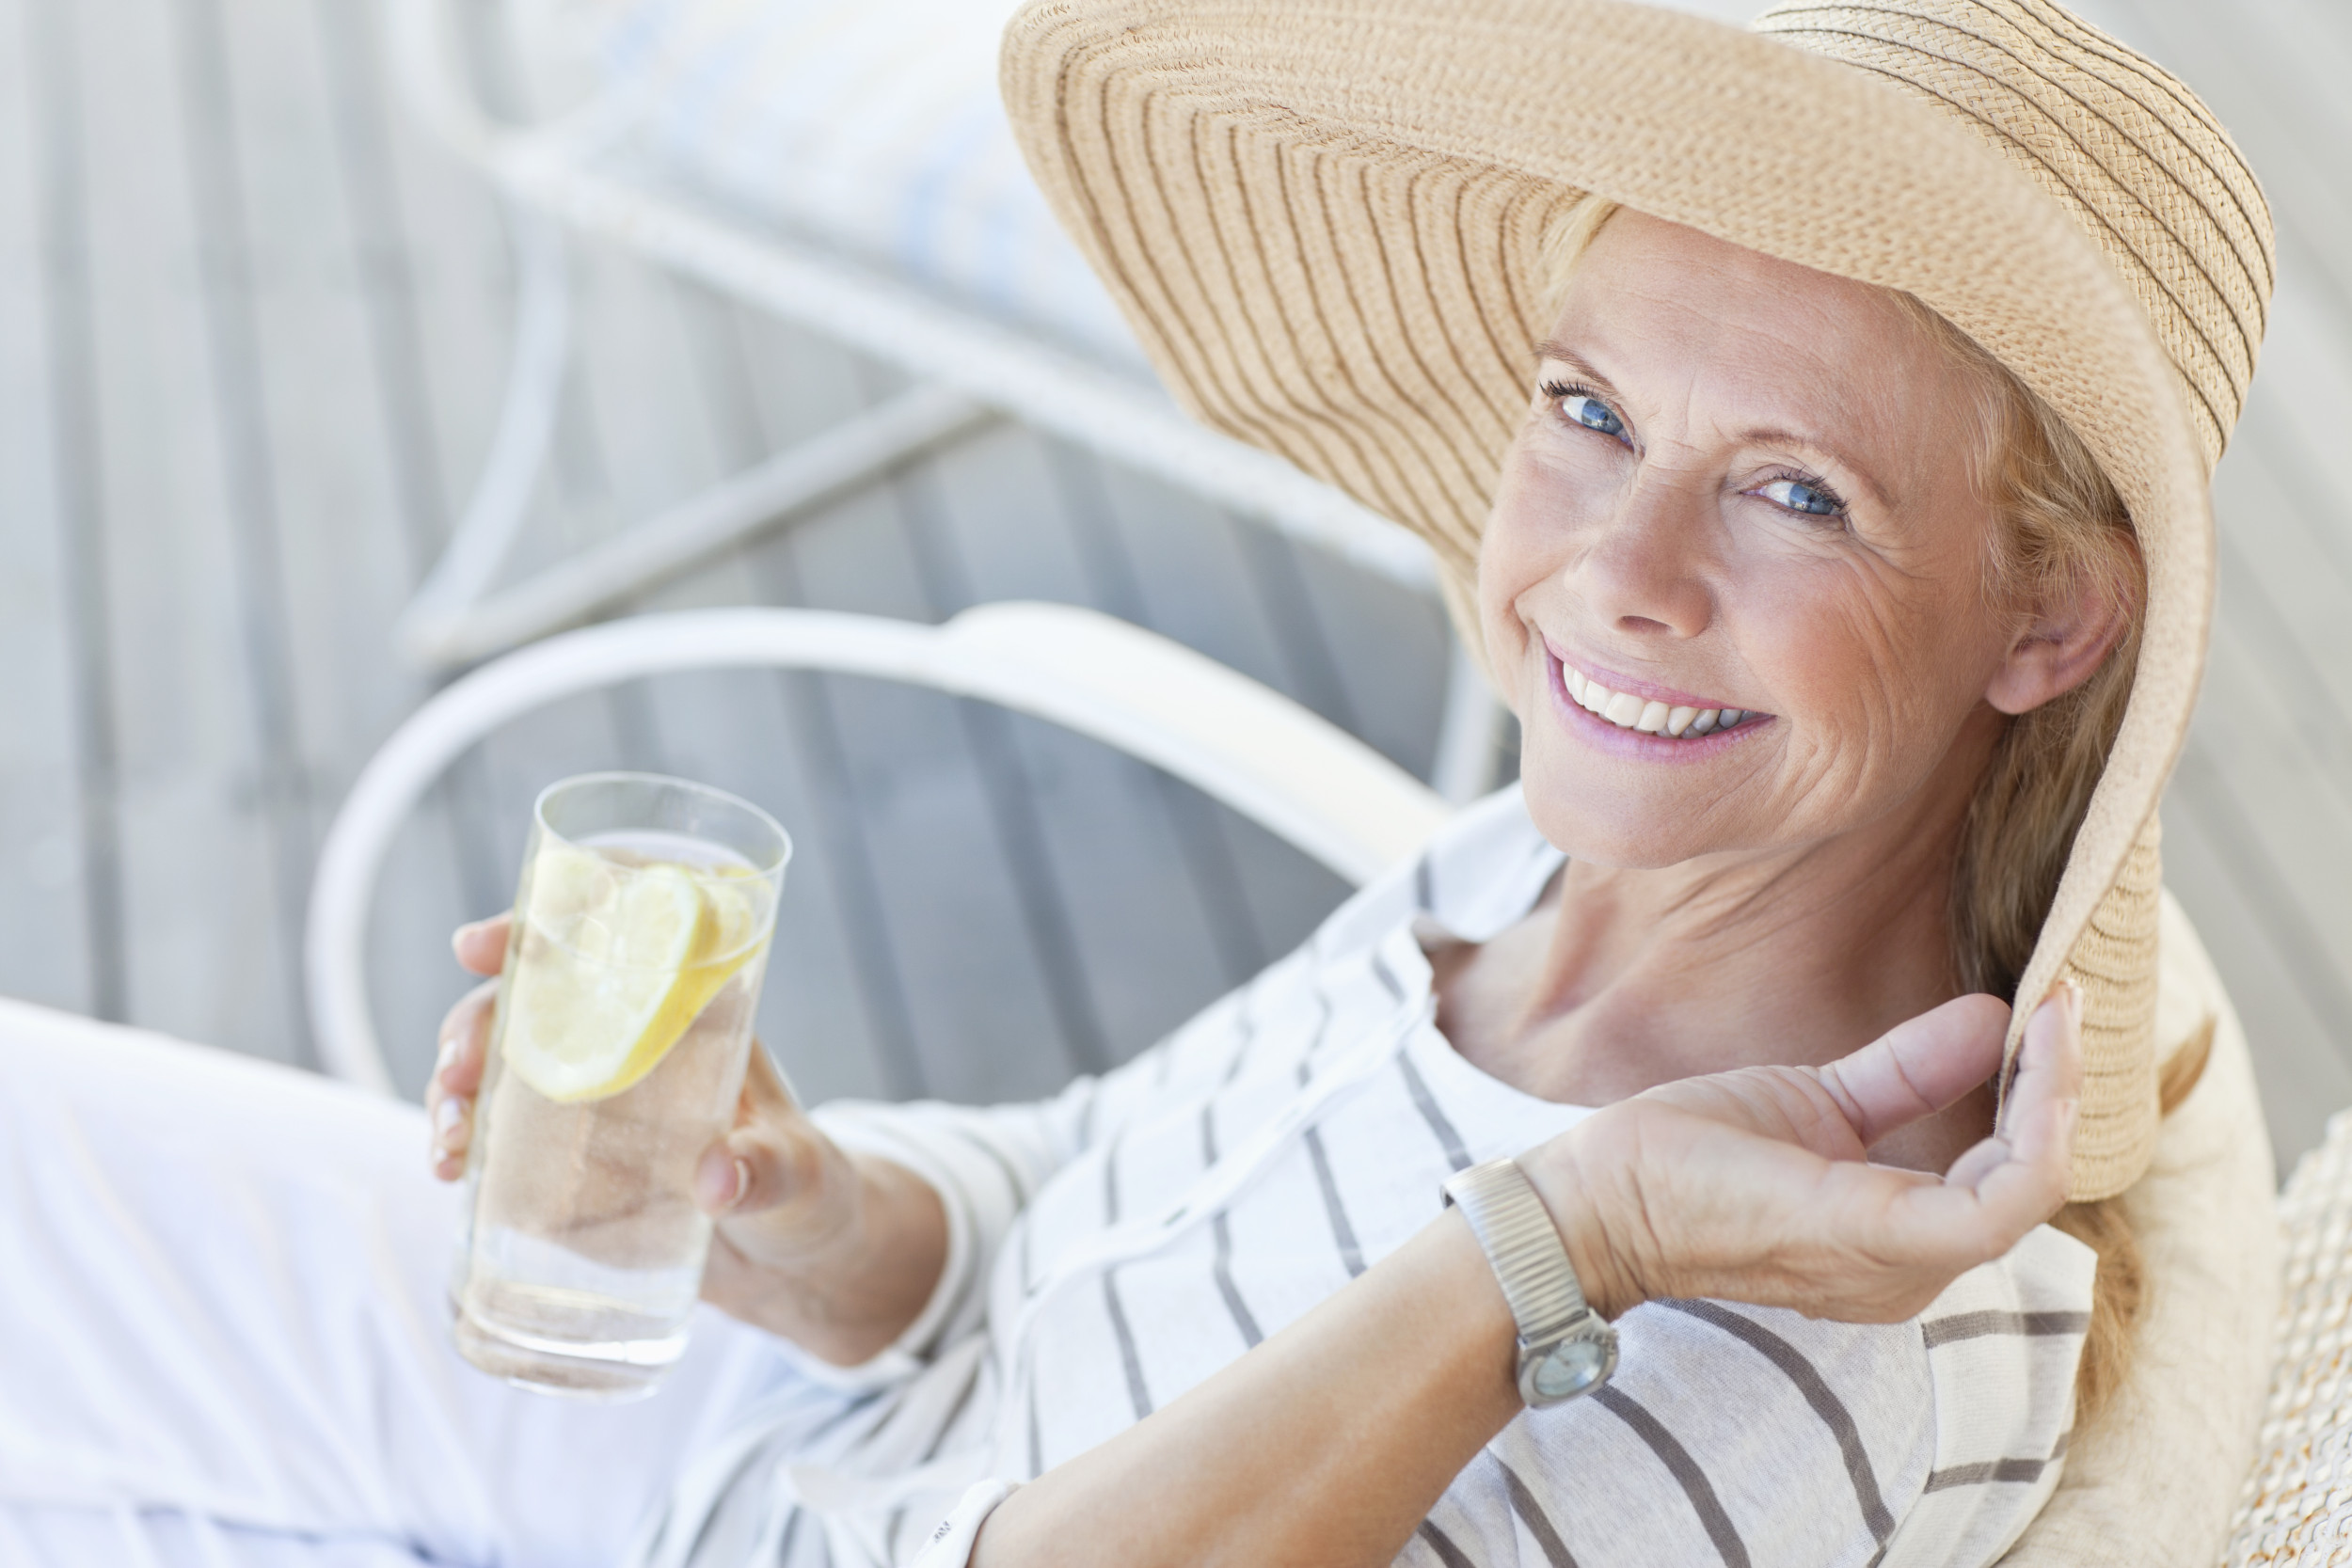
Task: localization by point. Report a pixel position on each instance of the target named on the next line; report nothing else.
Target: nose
(1644, 571)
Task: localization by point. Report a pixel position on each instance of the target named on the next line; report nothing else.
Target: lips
(1649, 716)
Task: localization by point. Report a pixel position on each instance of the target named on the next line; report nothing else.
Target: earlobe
(2058, 652)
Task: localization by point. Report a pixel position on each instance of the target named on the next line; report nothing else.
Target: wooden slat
(54, 716)
(1141, 936)
(742, 731)
(931, 907)
(2214, 862)
(351, 462)
(430, 882)
(247, 449)
(201, 906)
(1198, 589)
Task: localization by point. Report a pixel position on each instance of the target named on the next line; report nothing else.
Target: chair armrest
(1304, 780)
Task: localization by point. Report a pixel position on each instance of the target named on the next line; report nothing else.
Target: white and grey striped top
(1115, 1245)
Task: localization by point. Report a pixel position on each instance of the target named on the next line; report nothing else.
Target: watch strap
(1529, 1260)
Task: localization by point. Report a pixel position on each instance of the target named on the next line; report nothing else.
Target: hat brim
(1324, 219)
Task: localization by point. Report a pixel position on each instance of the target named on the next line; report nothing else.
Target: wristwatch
(1566, 1348)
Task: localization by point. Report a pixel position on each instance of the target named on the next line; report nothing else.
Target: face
(1744, 489)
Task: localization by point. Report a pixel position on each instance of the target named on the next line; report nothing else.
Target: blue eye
(1797, 496)
(1593, 414)
(1580, 405)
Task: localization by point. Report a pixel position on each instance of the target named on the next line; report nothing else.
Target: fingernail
(446, 1119)
(449, 1054)
(458, 937)
(742, 1182)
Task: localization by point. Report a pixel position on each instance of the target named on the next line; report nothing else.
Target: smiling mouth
(1645, 717)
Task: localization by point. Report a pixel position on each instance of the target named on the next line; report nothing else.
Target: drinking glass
(622, 1030)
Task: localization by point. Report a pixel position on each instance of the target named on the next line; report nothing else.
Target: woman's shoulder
(1746, 1434)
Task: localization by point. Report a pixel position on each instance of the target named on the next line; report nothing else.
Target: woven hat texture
(1324, 220)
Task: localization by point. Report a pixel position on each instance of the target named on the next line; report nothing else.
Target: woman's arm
(1329, 1443)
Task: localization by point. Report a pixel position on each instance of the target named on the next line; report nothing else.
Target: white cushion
(2153, 1481)
(873, 126)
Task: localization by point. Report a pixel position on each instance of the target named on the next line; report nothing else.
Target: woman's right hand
(835, 1252)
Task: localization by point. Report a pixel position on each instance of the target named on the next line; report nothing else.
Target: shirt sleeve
(1730, 1435)
(1749, 1435)
(950, 1546)
(988, 1163)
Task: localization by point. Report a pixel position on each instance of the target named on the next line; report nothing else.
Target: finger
(482, 945)
(1920, 1066)
(2050, 1059)
(465, 1043)
(721, 1177)
(2017, 1178)
(738, 1171)
(457, 1079)
(452, 1136)
(760, 1166)
(1997, 1192)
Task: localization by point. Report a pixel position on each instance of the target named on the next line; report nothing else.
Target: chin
(1600, 823)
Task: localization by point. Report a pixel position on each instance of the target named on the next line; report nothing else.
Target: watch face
(1570, 1367)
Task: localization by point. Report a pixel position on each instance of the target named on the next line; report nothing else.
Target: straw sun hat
(1324, 219)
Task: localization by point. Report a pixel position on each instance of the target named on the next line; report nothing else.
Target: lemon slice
(615, 963)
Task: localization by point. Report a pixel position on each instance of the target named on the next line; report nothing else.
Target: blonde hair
(2064, 528)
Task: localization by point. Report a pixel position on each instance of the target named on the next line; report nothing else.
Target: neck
(1789, 958)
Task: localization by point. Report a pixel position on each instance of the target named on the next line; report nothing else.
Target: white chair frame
(1283, 767)
(974, 371)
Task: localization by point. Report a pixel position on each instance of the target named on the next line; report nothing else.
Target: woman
(1849, 590)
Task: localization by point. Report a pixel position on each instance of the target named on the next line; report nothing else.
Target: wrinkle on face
(1870, 641)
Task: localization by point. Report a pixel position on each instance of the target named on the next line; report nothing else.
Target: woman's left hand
(1753, 1185)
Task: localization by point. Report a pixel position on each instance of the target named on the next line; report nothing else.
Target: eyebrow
(1817, 445)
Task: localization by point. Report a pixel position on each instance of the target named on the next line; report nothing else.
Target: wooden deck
(252, 334)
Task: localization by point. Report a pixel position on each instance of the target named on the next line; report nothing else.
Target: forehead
(1739, 340)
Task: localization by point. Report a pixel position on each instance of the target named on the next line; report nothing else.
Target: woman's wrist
(845, 1265)
(1580, 1189)
(867, 1271)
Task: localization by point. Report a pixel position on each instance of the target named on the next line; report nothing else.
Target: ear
(2071, 632)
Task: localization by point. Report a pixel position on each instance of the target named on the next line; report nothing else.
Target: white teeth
(1629, 712)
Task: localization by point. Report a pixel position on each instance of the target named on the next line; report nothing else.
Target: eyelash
(1560, 391)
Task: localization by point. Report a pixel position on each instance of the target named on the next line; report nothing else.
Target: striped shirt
(1113, 1246)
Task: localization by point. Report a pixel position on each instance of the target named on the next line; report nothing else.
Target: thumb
(768, 1161)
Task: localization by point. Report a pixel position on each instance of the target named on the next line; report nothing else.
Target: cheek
(1518, 556)
(1876, 670)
